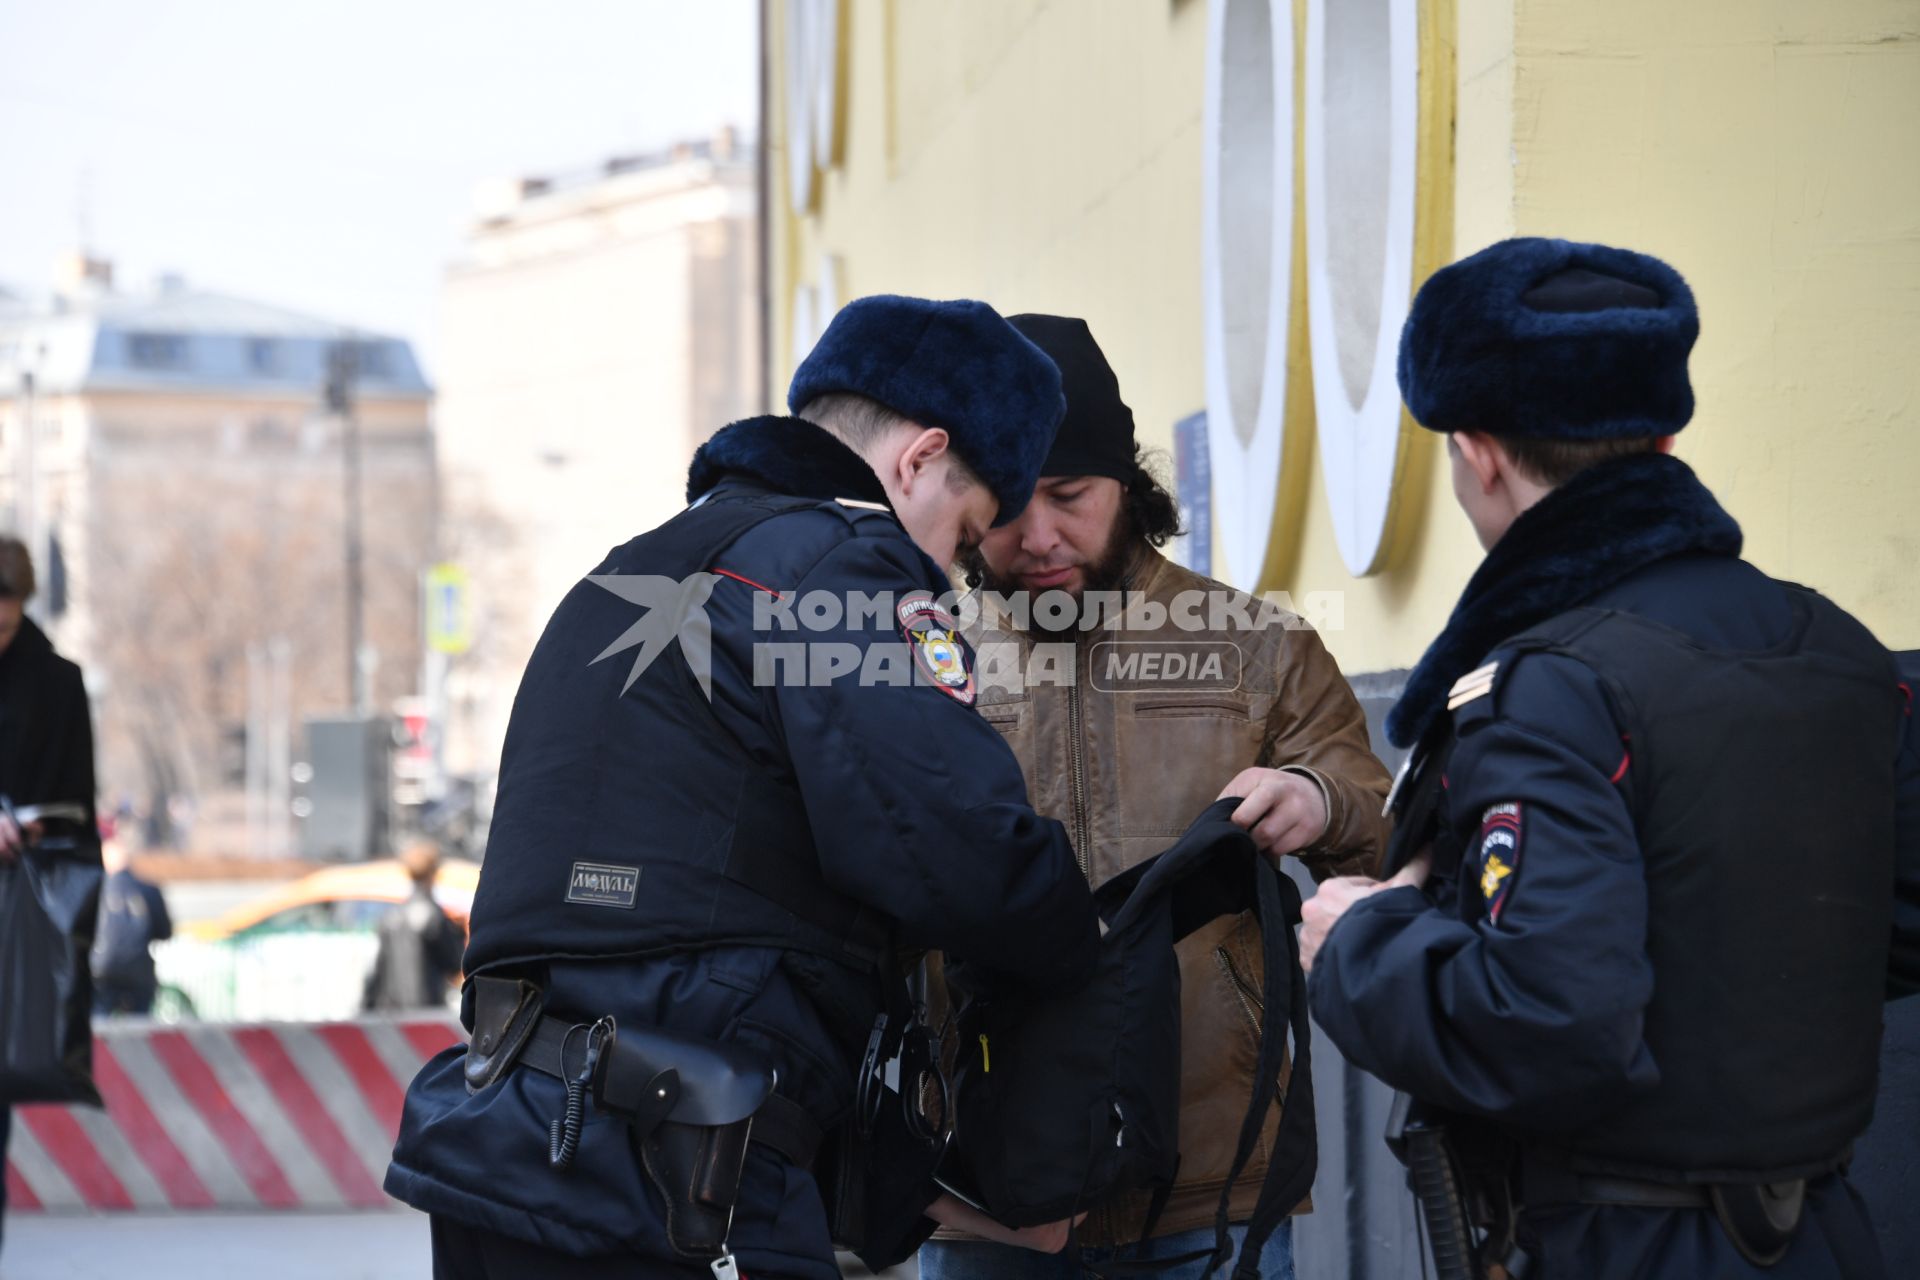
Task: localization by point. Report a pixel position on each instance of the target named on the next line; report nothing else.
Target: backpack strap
(1295, 1157)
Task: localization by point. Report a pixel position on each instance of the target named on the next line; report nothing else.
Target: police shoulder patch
(1500, 831)
(939, 652)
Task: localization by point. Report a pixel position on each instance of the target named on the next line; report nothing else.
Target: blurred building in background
(598, 326)
(170, 455)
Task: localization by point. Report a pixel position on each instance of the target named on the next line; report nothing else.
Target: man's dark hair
(1554, 462)
(16, 570)
(1151, 510)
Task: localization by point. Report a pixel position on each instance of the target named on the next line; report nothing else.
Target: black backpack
(1063, 1101)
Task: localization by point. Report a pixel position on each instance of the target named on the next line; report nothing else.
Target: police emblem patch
(938, 650)
(1499, 856)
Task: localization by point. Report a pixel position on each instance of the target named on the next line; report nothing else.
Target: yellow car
(345, 898)
(299, 951)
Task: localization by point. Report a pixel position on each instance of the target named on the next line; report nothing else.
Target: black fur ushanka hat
(1551, 339)
(957, 365)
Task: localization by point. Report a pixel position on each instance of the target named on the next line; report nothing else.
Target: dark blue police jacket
(913, 804)
(1519, 995)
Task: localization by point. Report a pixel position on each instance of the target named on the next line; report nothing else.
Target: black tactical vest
(1763, 797)
(633, 823)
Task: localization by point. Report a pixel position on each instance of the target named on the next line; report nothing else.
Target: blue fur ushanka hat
(1550, 339)
(956, 365)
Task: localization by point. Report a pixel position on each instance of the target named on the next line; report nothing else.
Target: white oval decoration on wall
(1247, 266)
(812, 93)
(814, 307)
(1362, 153)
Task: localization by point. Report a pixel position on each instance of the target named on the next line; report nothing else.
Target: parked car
(300, 951)
(342, 899)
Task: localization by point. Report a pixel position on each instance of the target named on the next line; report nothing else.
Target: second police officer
(1671, 808)
(715, 825)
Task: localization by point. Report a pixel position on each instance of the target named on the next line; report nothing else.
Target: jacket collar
(787, 455)
(1582, 538)
(29, 644)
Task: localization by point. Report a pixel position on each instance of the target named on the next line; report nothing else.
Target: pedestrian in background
(46, 732)
(133, 916)
(420, 945)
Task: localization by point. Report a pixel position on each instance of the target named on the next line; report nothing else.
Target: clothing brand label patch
(601, 885)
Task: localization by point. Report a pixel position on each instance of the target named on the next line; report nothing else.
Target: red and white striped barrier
(278, 1116)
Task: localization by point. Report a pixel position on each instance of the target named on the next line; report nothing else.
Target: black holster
(1760, 1218)
(696, 1169)
(688, 1104)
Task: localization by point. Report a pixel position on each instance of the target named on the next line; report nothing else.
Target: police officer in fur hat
(1666, 811)
(743, 772)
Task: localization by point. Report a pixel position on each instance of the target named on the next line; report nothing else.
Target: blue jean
(975, 1260)
(6, 1131)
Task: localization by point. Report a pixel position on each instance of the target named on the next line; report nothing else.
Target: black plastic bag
(49, 898)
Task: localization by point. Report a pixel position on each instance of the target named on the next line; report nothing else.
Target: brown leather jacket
(1127, 771)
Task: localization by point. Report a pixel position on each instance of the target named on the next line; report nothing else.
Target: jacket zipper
(1248, 1001)
(1100, 1220)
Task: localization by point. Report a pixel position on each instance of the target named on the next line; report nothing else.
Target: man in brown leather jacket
(1135, 692)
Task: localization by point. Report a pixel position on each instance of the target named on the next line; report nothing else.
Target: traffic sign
(449, 626)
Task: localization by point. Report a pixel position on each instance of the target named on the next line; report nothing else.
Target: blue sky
(322, 154)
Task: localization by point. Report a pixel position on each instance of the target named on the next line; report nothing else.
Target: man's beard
(1107, 572)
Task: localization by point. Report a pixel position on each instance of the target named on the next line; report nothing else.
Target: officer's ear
(915, 463)
(1665, 443)
(1483, 457)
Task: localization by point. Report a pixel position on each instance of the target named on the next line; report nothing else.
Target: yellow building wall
(1047, 155)
(1769, 151)
(1040, 156)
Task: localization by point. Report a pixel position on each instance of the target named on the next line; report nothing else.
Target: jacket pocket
(1252, 1007)
(1169, 755)
(1005, 716)
(1172, 708)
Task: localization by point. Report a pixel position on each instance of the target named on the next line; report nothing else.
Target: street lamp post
(27, 487)
(342, 368)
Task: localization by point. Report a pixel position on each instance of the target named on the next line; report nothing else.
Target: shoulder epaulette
(1477, 683)
(858, 511)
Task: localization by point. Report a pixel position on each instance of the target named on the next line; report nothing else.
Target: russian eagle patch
(1500, 829)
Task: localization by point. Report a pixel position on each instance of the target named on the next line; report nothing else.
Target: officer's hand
(1331, 900)
(1414, 873)
(1283, 812)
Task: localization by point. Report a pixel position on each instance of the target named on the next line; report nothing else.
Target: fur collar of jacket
(1590, 533)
